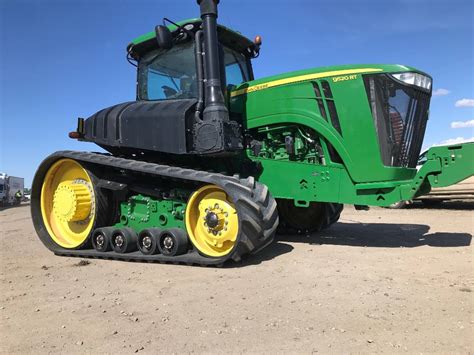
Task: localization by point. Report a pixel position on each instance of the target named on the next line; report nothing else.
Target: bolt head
(212, 219)
(147, 242)
(119, 240)
(168, 242)
(100, 240)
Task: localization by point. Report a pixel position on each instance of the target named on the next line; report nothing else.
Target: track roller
(148, 241)
(173, 242)
(101, 239)
(124, 240)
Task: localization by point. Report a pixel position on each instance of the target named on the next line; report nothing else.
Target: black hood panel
(143, 125)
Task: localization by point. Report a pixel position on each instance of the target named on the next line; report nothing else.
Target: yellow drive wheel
(68, 203)
(212, 222)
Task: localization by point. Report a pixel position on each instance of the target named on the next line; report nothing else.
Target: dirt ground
(378, 281)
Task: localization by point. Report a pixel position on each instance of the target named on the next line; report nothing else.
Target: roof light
(258, 40)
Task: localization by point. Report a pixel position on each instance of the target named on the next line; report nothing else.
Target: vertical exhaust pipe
(215, 134)
(215, 108)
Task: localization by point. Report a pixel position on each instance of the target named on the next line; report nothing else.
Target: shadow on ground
(455, 205)
(382, 235)
(373, 235)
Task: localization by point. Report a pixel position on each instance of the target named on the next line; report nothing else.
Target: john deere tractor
(207, 163)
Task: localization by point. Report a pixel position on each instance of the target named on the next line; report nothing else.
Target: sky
(63, 59)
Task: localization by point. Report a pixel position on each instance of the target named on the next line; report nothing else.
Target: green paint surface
(283, 105)
(140, 212)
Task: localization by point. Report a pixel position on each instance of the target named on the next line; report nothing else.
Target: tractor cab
(171, 73)
(184, 74)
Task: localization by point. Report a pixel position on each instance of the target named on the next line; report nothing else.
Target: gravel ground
(378, 281)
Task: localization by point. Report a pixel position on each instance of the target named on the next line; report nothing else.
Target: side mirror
(164, 37)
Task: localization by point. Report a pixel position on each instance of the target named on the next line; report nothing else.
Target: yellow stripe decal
(301, 78)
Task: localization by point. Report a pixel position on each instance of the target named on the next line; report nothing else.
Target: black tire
(124, 240)
(101, 239)
(173, 242)
(332, 214)
(258, 215)
(314, 218)
(147, 241)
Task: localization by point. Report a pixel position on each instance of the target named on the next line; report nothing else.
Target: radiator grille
(400, 113)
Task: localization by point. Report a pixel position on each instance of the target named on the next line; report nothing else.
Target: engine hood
(317, 73)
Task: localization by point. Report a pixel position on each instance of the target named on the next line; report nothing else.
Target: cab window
(168, 74)
(236, 70)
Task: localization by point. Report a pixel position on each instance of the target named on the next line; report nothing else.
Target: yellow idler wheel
(212, 222)
(68, 203)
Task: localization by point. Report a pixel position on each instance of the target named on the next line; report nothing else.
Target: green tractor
(208, 162)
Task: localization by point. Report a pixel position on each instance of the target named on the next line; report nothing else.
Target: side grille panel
(326, 103)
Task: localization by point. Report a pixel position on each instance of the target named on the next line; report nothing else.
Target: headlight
(414, 79)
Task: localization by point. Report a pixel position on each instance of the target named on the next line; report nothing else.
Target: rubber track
(257, 209)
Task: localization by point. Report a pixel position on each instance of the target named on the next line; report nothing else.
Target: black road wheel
(124, 240)
(101, 239)
(173, 242)
(148, 241)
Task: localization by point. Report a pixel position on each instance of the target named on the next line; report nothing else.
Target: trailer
(11, 190)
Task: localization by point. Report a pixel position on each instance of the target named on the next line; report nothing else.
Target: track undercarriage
(100, 206)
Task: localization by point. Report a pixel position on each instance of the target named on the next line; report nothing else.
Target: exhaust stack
(215, 133)
(215, 107)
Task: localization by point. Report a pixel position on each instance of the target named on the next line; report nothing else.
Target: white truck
(11, 190)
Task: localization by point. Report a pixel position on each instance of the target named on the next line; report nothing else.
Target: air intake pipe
(214, 99)
(215, 133)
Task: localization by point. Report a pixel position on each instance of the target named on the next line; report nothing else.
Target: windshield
(168, 74)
